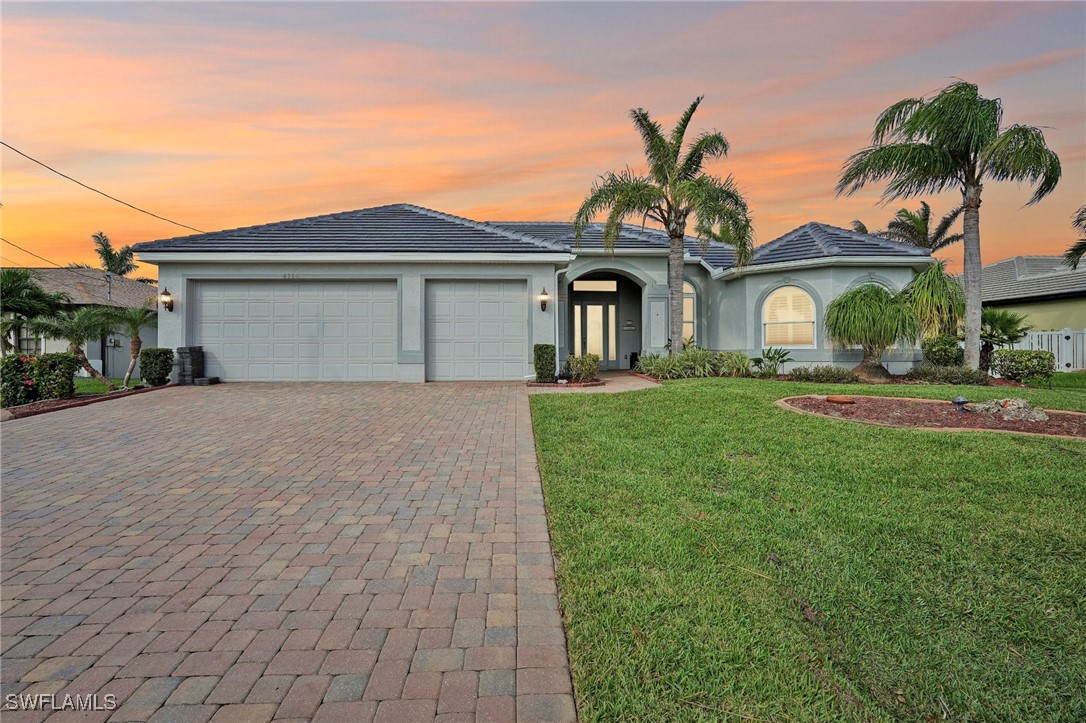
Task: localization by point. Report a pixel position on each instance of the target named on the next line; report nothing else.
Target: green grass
(1070, 381)
(920, 574)
(90, 385)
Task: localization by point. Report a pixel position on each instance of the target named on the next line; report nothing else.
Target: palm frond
(890, 120)
(709, 144)
(1020, 154)
(910, 227)
(913, 169)
(678, 133)
(1079, 222)
(937, 299)
(720, 214)
(872, 317)
(619, 195)
(1074, 254)
(75, 325)
(939, 237)
(657, 149)
(957, 119)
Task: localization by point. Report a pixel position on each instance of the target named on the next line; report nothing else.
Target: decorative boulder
(1011, 409)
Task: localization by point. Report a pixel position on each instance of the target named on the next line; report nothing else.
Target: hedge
(943, 351)
(584, 368)
(826, 373)
(26, 379)
(1020, 364)
(544, 359)
(932, 374)
(156, 364)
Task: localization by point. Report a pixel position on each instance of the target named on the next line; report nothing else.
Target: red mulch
(917, 413)
(79, 400)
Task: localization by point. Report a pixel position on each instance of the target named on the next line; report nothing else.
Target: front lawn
(722, 558)
(1071, 381)
(90, 385)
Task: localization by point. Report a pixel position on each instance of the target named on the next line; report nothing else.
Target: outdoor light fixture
(959, 403)
(167, 299)
(544, 297)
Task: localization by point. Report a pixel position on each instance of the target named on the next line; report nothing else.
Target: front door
(595, 332)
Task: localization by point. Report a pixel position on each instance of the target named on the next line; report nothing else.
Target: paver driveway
(248, 552)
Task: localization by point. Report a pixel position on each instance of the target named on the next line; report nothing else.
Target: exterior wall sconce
(544, 297)
(167, 299)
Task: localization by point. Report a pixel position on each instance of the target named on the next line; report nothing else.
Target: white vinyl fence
(1069, 346)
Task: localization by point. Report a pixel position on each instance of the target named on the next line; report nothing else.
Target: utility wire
(101, 193)
(54, 263)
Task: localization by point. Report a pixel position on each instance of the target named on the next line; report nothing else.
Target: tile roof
(1031, 277)
(89, 286)
(818, 240)
(397, 228)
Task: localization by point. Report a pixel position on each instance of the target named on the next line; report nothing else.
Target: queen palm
(21, 300)
(914, 227)
(674, 192)
(953, 140)
(132, 321)
(1078, 249)
(77, 326)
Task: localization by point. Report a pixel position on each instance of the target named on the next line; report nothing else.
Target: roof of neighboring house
(407, 228)
(398, 228)
(89, 286)
(1031, 277)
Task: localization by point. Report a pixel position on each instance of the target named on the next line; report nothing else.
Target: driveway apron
(339, 552)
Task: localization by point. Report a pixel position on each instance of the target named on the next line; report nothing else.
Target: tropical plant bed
(79, 400)
(933, 414)
(566, 385)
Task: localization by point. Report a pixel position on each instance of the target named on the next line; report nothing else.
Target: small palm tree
(914, 227)
(1078, 249)
(116, 261)
(860, 227)
(77, 326)
(1000, 327)
(953, 140)
(132, 321)
(22, 300)
(675, 191)
(871, 317)
(937, 299)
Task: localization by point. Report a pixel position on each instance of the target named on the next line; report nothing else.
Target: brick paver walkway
(335, 552)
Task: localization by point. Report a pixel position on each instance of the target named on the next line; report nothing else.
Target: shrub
(1019, 364)
(156, 366)
(732, 364)
(661, 367)
(54, 375)
(697, 362)
(583, 368)
(943, 351)
(16, 384)
(544, 360)
(828, 374)
(769, 363)
(931, 374)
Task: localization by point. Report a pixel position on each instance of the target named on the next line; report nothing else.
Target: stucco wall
(1051, 315)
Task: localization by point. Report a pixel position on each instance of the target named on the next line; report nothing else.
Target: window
(602, 285)
(29, 344)
(788, 318)
(689, 306)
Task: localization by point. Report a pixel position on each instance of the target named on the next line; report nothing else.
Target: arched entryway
(604, 318)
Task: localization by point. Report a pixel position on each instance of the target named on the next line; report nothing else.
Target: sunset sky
(231, 114)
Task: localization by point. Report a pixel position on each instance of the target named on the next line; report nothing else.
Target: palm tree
(871, 317)
(132, 322)
(77, 326)
(1078, 249)
(22, 300)
(1000, 327)
(675, 191)
(937, 299)
(953, 140)
(914, 227)
(860, 227)
(116, 261)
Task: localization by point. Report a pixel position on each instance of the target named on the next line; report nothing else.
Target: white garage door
(297, 330)
(476, 330)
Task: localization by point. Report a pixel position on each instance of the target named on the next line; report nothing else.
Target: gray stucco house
(404, 293)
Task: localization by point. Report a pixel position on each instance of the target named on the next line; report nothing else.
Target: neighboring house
(408, 294)
(1051, 295)
(92, 287)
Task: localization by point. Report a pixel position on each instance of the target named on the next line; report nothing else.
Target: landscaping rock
(1012, 408)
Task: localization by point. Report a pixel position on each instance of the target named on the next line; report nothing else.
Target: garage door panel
(476, 330)
(297, 331)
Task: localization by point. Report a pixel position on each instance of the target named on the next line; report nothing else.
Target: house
(1051, 295)
(409, 294)
(85, 287)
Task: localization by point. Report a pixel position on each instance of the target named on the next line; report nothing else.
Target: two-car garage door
(272, 330)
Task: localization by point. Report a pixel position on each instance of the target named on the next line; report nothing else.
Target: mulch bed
(934, 414)
(79, 400)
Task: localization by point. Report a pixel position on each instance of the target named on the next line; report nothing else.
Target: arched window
(788, 318)
(689, 307)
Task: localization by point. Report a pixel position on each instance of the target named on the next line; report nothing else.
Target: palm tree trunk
(134, 349)
(675, 267)
(84, 362)
(972, 270)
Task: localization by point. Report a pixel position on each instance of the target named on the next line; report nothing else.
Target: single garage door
(297, 330)
(476, 330)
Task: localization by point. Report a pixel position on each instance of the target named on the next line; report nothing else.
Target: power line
(101, 193)
(48, 261)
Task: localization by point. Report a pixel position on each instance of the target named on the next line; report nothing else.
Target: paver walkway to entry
(247, 552)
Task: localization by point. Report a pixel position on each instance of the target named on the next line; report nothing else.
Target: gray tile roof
(89, 286)
(1031, 277)
(819, 240)
(400, 227)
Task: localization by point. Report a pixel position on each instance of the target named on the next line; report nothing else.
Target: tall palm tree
(22, 300)
(953, 140)
(874, 319)
(132, 321)
(914, 227)
(1078, 249)
(116, 261)
(77, 326)
(675, 191)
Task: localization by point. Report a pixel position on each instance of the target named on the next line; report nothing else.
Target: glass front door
(595, 332)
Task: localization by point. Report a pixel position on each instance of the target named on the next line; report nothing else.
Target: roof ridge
(483, 226)
(823, 238)
(888, 243)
